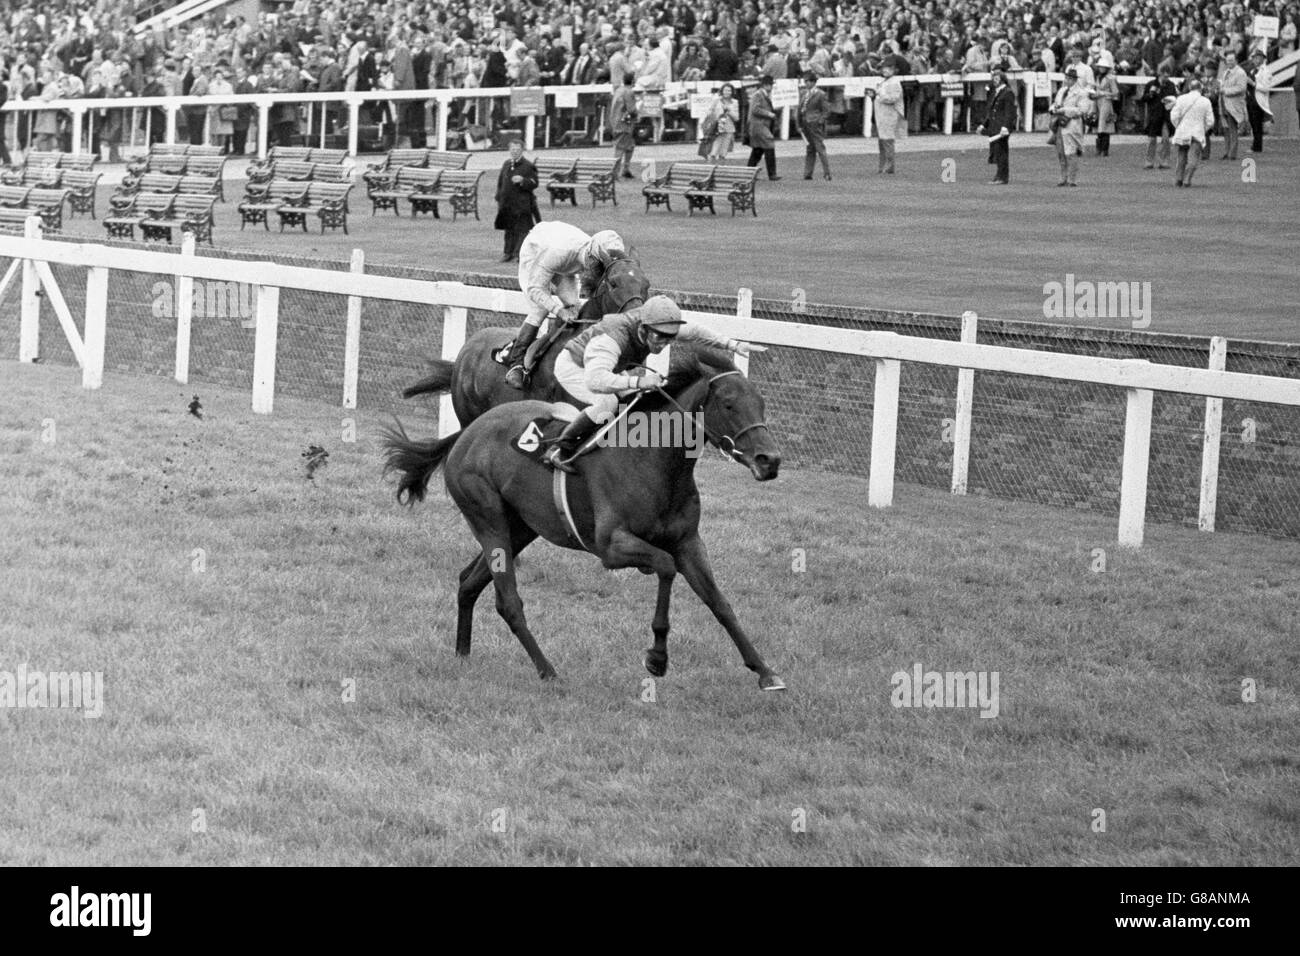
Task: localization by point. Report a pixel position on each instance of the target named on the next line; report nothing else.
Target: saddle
(540, 345)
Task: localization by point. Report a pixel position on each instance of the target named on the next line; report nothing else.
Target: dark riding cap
(661, 314)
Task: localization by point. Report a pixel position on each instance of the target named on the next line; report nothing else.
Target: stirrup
(520, 380)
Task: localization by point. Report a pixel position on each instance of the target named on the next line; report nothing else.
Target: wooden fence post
(29, 329)
(965, 399)
(744, 310)
(884, 434)
(1137, 456)
(1210, 445)
(455, 319)
(92, 370)
(352, 340)
(268, 324)
(184, 302)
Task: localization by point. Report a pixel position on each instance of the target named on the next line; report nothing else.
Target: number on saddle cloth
(537, 437)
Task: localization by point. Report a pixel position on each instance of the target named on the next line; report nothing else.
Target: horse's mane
(690, 362)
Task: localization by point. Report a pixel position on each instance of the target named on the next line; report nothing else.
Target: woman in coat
(724, 116)
(762, 144)
(1071, 105)
(221, 119)
(1106, 95)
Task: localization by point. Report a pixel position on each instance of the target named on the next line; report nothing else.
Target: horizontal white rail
(1139, 378)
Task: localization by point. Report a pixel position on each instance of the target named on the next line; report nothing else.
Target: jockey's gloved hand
(745, 348)
(650, 380)
(568, 313)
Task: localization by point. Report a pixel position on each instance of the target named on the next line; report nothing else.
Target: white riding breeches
(565, 287)
(601, 406)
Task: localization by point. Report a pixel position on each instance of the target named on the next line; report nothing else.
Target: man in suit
(1193, 118)
(1000, 122)
(622, 123)
(813, 110)
(516, 200)
(1258, 83)
(412, 113)
(581, 70)
(762, 144)
(1232, 102)
(421, 66)
(889, 113)
(330, 81)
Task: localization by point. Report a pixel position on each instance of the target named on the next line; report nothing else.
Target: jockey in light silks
(553, 255)
(593, 366)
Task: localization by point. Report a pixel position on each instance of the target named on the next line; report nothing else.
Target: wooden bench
(50, 176)
(554, 171)
(35, 159)
(187, 213)
(15, 216)
(594, 175)
(736, 184)
(193, 150)
(81, 185)
(331, 173)
(192, 185)
(381, 176)
(459, 187)
(680, 178)
(80, 161)
(277, 193)
(280, 169)
(294, 154)
(147, 183)
(14, 196)
(327, 201)
(49, 203)
(212, 167)
(446, 159)
(328, 157)
(121, 223)
(140, 163)
(410, 182)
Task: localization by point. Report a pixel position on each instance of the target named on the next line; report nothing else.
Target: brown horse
(633, 507)
(477, 382)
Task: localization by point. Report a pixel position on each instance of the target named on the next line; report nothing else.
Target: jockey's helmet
(660, 313)
(605, 246)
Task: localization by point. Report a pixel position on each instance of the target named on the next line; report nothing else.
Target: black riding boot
(517, 376)
(574, 434)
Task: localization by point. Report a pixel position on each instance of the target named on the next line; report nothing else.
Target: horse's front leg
(693, 562)
(626, 550)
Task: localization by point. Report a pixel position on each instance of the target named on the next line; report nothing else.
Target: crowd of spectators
(56, 50)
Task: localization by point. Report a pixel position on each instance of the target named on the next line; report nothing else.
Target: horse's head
(624, 286)
(732, 407)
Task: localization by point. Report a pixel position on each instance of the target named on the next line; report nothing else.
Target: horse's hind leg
(656, 658)
(476, 576)
(502, 539)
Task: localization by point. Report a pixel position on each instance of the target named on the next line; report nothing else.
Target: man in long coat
(516, 200)
(762, 144)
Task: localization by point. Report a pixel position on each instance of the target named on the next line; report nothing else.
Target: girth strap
(560, 494)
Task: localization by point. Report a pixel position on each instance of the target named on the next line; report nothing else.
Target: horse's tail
(438, 379)
(415, 460)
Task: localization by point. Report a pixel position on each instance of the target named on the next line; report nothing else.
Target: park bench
(192, 185)
(35, 160)
(446, 159)
(277, 193)
(140, 163)
(280, 169)
(212, 167)
(736, 184)
(49, 203)
(15, 216)
(187, 213)
(459, 187)
(81, 185)
(121, 223)
(147, 183)
(554, 171)
(327, 201)
(594, 175)
(81, 161)
(328, 157)
(50, 176)
(411, 182)
(257, 169)
(382, 175)
(14, 196)
(330, 172)
(680, 178)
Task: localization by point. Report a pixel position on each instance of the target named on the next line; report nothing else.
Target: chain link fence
(1033, 439)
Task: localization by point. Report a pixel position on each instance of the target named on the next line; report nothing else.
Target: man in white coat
(889, 111)
(1193, 117)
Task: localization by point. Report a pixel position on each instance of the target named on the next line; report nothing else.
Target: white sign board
(700, 103)
(1042, 84)
(785, 93)
(855, 87)
(565, 98)
(1265, 27)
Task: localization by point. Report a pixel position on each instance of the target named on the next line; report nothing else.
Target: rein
(730, 451)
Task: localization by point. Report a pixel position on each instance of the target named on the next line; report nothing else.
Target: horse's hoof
(657, 666)
(770, 682)
(548, 676)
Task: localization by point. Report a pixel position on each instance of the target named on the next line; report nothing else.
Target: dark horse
(633, 507)
(478, 383)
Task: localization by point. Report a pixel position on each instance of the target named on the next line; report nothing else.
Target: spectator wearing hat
(724, 64)
(1001, 121)
(1158, 96)
(889, 115)
(1232, 103)
(1259, 81)
(1068, 110)
(1106, 94)
(813, 110)
(516, 200)
(622, 123)
(776, 65)
(762, 144)
(1193, 118)
(221, 118)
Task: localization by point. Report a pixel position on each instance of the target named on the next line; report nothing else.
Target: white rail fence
(84, 111)
(1138, 377)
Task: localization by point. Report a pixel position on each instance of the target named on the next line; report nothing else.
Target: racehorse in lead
(633, 507)
(477, 381)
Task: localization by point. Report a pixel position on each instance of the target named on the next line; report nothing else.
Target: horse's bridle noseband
(727, 452)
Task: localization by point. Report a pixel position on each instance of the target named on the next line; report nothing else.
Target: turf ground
(1120, 690)
(1220, 257)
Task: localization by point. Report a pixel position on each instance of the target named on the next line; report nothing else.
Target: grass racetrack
(1120, 690)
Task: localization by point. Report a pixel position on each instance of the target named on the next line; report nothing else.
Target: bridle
(729, 451)
(603, 286)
